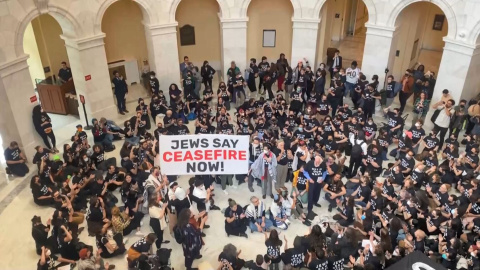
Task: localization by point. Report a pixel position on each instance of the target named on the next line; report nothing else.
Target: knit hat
(83, 253)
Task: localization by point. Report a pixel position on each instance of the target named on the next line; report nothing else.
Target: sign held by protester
(203, 154)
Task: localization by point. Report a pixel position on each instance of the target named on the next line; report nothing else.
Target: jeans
(253, 227)
(107, 141)
(349, 88)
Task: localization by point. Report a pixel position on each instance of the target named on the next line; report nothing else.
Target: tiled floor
(17, 208)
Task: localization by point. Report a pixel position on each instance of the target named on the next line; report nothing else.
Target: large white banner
(203, 154)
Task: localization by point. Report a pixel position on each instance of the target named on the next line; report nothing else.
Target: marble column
(458, 72)
(234, 43)
(304, 41)
(15, 106)
(377, 52)
(163, 54)
(87, 57)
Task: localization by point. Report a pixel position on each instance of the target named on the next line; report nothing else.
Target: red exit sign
(88, 77)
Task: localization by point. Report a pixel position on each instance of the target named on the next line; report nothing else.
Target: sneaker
(330, 208)
(206, 226)
(122, 113)
(317, 205)
(234, 187)
(139, 233)
(141, 223)
(203, 234)
(165, 242)
(264, 196)
(251, 189)
(214, 207)
(243, 235)
(126, 111)
(225, 191)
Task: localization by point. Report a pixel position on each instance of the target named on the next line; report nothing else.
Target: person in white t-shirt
(353, 74)
(443, 119)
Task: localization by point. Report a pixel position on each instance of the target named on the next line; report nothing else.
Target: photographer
(101, 136)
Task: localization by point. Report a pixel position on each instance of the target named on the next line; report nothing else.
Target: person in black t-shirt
(235, 222)
(48, 260)
(142, 246)
(15, 160)
(282, 164)
(334, 190)
(42, 194)
(180, 128)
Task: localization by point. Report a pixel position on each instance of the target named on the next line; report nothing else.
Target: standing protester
(282, 65)
(154, 84)
(207, 73)
(252, 71)
(121, 90)
(353, 74)
(265, 168)
(43, 126)
(336, 64)
(190, 238)
(442, 121)
(407, 82)
(262, 71)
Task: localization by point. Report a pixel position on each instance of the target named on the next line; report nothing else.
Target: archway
(202, 19)
(126, 45)
(275, 17)
(418, 38)
(342, 27)
(46, 49)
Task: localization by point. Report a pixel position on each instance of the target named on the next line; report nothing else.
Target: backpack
(177, 233)
(356, 150)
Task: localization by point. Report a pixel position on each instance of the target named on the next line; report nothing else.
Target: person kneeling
(235, 220)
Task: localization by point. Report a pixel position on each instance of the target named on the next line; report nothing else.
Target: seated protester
(146, 152)
(294, 256)
(87, 166)
(235, 221)
(180, 128)
(278, 214)
(317, 259)
(395, 121)
(406, 163)
(418, 134)
(439, 198)
(372, 254)
(225, 128)
(123, 223)
(449, 154)
(418, 176)
(203, 125)
(471, 160)
(431, 162)
(330, 146)
(273, 244)
(101, 135)
(346, 216)
(360, 116)
(361, 195)
(88, 261)
(223, 116)
(115, 176)
(45, 173)
(449, 254)
(404, 145)
(48, 260)
(474, 227)
(156, 107)
(40, 234)
(384, 141)
(433, 221)
(15, 160)
(81, 137)
(346, 113)
(334, 190)
(70, 155)
(473, 210)
(169, 120)
(228, 258)
(375, 204)
(245, 128)
(430, 143)
(99, 188)
(131, 132)
(467, 189)
(450, 207)
(99, 159)
(139, 124)
(97, 221)
(66, 246)
(255, 213)
(372, 162)
(42, 194)
(41, 153)
(142, 246)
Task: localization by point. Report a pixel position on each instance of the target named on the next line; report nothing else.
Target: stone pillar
(376, 54)
(234, 44)
(87, 57)
(163, 54)
(304, 41)
(15, 106)
(458, 71)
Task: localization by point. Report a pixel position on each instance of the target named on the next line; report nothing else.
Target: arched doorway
(418, 38)
(126, 46)
(269, 29)
(200, 20)
(49, 67)
(342, 27)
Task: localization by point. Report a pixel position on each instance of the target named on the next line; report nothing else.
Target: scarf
(255, 214)
(258, 167)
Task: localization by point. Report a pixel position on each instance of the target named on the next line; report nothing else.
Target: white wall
(31, 48)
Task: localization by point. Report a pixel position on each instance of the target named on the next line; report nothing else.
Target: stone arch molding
(442, 4)
(372, 11)
(148, 11)
(70, 26)
(174, 5)
(297, 8)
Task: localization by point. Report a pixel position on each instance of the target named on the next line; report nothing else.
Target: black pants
(314, 191)
(260, 82)
(443, 132)
(48, 144)
(188, 263)
(155, 224)
(120, 102)
(207, 82)
(353, 166)
(19, 169)
(403, 97)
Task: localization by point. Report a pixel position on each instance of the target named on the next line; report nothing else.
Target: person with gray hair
(228, 258)
(255, 213)
(265, 168)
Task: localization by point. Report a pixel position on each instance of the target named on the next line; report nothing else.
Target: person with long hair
(175, 94)
(43, 126)
(273, 243)
(207, 73)
(157, 211)
(191, 238)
